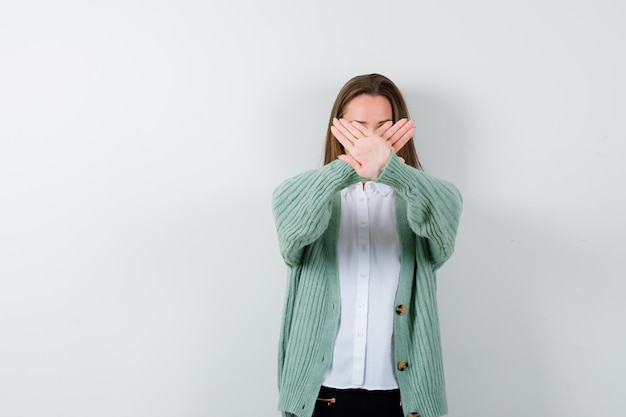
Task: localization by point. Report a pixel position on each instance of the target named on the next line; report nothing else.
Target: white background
(140, 143)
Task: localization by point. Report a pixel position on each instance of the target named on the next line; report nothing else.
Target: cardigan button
(403, 366)
(401, 310)
(414, 415)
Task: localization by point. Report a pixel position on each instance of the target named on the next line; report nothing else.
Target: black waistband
(328, 392)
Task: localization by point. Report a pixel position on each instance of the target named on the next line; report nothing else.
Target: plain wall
(140, 143)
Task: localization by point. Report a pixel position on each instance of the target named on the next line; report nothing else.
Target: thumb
(350, 161)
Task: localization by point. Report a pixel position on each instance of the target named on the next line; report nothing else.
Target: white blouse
(369, 265)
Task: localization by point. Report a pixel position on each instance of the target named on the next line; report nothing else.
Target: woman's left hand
(397, 134)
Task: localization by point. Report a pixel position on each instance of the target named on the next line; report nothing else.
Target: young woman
(362, 237)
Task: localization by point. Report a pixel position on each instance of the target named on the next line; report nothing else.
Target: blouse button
(403, 366)
(401, 310)
(414, 415)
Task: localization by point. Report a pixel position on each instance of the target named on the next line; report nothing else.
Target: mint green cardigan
(306, 210)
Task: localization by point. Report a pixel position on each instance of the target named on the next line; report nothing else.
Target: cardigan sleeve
(302, 206)
(433, 206)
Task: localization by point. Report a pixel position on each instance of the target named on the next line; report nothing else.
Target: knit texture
(306, 210)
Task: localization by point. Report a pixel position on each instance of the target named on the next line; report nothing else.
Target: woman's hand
(397, 134)
(368, 152)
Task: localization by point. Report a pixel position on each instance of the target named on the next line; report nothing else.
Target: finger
(350, 161)
(343, 127)
(393, 129)
(341, 137)
(383, 128)
(403, 140)
(401, 159)
(362, 129)
(408, 128)
(401, 131)
(349, 129)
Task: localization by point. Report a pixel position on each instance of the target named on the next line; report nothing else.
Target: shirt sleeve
(302, 206)
(433, 206)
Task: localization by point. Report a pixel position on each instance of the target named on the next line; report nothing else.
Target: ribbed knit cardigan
(306, 210)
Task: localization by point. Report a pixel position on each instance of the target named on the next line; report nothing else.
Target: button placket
(362, 293)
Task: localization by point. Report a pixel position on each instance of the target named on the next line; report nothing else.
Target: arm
(302, 206)
(433, 206)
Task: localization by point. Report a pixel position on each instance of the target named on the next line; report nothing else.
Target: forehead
(368, 108)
